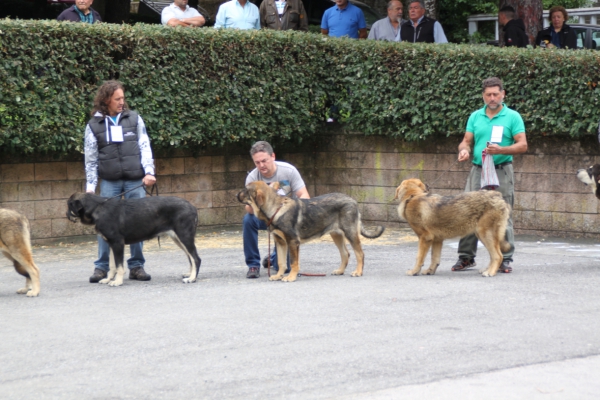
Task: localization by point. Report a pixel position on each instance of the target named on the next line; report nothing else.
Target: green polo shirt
(481, 126)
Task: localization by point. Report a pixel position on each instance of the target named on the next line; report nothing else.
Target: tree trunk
(117, 11)
(431, 6)
(530, 11)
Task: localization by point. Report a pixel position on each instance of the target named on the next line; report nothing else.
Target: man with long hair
(117, 150)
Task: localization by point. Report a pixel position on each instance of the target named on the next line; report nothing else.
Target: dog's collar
(274, 214)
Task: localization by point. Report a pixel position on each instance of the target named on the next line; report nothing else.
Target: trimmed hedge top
(197, 87)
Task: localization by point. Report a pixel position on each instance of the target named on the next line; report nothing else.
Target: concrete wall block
(17, 173)
(559, 181)
(392, 213)
(41, 229)
(525, 201)
(363, 160)
(63, 227)
(224, 181)
(197, 165)
(218, 164)
(374, 212)
(64, 189)
(225, 198)
(9, 192)
(24, 207)
(212, 216)
(54, 171)
(235, 215)
(170, 166)
(75, 171)
(164, 184)
(590, 223)
(200, 199)
(50, 209)
(581, 203)
(554, 202)
(185, 183)
(35, 191)
(566, 221)
(525, 163)
(573, 163)
(237, 163)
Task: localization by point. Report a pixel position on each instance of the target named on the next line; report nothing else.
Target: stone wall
(550, 200)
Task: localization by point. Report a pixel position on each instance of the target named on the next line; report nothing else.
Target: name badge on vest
(116, 133)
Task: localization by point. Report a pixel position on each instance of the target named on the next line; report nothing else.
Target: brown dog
(16, 246)
(293, 222)
(435, 218)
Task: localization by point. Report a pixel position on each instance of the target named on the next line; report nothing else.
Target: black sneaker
(463, 263)
(98, 275)
(505, 267)
(253, 273)
(138, 274)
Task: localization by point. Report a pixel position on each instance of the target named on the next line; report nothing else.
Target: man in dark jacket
(514, 29)
(283, 15)
(420, 28)
(117, 150)
(82, 11)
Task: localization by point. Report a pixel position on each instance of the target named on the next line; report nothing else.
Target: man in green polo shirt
(501, 132)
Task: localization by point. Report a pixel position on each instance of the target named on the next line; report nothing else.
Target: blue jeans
(250, 227)
(113, 188)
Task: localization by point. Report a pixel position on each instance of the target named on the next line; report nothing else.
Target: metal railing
(156, 5)
(583, 15)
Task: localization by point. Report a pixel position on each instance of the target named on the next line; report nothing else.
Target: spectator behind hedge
(388, 28)
(420, 28)
(558, 35)
(344, 19)
(283, 15)
(514, 29)
(179, 13)
(238, 14)
(81, 11)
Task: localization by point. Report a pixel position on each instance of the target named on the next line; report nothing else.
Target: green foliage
(213, 87)
(565, 3)
(453, 17)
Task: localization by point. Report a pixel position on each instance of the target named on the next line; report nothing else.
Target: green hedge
(212, 87)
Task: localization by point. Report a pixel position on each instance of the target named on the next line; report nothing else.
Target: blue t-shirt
(344, 22)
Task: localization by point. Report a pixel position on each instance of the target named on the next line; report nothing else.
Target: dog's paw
(188, 280)
(275, 278)
(289, 278)
(104, 281)
(23, 290)
(114, 283)
(31, 293)
(482, 270)
(410, 272)
(356, 273)
(187, 275)
(487, 274)
(338, 272)
(428, 272)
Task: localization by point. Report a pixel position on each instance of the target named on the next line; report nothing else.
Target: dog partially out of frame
(127, 221)
(435, 218)
(15, 244)
(296, 221)
(590, 177)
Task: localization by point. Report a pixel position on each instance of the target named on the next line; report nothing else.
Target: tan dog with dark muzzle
(16, 246)
(435, 218)
(296, 221)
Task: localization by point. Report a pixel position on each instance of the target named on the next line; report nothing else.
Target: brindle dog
(296, 221)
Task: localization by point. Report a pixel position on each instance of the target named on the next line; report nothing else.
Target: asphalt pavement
(532, 334)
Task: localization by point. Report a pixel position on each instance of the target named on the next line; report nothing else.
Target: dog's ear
(259, 198)
(426, 188)
(397, 193)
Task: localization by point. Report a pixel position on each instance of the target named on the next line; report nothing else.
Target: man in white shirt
(388, 28)
(238, 14)
(179, 13)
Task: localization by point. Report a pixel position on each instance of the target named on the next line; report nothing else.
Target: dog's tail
(375, 232)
